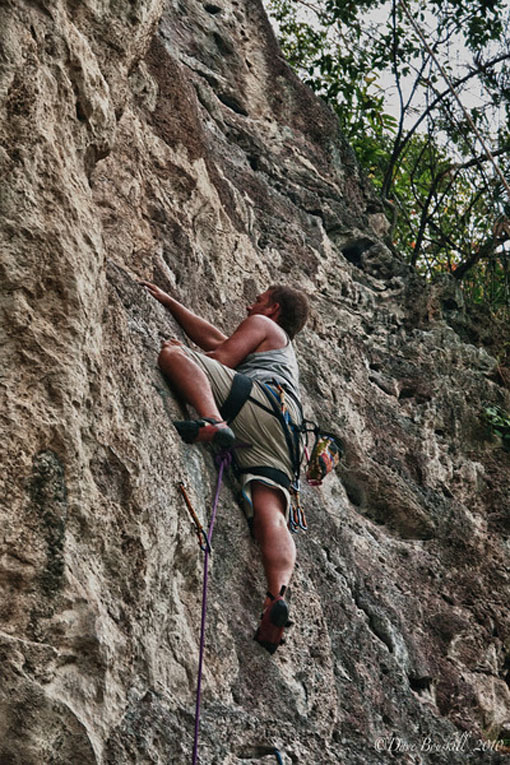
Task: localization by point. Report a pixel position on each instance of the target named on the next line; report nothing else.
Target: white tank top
(279, 364)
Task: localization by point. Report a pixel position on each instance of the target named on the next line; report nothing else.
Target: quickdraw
(200, 531)
(297, 517)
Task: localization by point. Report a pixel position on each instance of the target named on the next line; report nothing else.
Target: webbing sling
(291, 436)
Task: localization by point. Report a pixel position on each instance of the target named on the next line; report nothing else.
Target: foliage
(499, 421)
(448, 208)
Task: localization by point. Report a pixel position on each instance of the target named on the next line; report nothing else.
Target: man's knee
(268, 519)
(169, 355)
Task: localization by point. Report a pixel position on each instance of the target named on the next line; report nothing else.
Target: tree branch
(440, 97)
(485, 251)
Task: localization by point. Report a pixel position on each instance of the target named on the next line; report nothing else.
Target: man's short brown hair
(294, 308)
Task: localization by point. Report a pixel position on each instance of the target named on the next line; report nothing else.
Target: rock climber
(259, 351)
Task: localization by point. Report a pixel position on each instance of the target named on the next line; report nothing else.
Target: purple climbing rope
(223, 460)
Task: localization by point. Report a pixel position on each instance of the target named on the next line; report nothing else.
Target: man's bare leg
(270, 529)
(189, 380)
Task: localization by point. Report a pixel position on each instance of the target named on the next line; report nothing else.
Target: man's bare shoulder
(258, 319)
(264, 322)
(273, 335)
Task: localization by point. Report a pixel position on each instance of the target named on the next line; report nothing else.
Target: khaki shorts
(253, 426)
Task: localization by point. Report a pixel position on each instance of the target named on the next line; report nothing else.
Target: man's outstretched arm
(200, 331)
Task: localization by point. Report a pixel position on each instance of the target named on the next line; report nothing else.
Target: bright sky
(454, 55)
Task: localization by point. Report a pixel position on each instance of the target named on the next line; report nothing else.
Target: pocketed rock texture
(171, 142)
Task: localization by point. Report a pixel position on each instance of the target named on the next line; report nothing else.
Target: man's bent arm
(200, 331)
(247, 338)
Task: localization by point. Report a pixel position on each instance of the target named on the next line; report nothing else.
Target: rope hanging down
(454, 93)
(223, 460)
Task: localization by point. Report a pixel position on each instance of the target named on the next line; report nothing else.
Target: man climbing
(242, 376)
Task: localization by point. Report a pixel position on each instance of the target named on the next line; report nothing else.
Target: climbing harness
(326, 452)
(223, 460)
(240, 392)
(238, 395)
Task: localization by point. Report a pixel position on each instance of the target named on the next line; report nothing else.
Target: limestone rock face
(171, 142)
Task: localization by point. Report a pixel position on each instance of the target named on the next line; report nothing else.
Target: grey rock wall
(170, 142)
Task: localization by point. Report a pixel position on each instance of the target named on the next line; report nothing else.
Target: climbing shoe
(205, 430)
(275, 617)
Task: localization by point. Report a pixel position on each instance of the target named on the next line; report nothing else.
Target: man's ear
(274, 311)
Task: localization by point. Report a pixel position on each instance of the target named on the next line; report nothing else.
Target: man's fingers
(152, 288)
(172, 341)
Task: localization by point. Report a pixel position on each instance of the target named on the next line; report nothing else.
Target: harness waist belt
(278, 476)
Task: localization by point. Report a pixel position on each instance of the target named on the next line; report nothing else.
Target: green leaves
(367, 61)
(499, 421)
